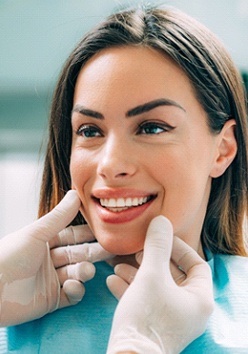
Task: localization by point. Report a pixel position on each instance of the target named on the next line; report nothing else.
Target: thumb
(57, 219)
(158, 243)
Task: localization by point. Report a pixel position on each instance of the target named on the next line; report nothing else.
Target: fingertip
(72, 196)
(159, 233)
(85, 271)
(160, 224)
(139, 257)
(58, 218)
(116, 286)
(74, 291)
(109, 280)
(158, 242)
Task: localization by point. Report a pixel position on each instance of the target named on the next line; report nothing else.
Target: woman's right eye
(89, 131)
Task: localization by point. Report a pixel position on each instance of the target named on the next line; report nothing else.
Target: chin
(120, 247)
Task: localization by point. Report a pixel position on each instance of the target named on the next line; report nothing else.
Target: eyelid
(160, 124)
(88, 126)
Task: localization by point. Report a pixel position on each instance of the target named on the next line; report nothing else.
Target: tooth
(120, 202)
(128, 202)
(123, 202)
(112, 203)
(135, 201)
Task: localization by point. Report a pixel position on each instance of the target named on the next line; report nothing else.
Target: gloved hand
(156, 315)
(32, 283)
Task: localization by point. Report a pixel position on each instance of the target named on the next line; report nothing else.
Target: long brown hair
(218, 88)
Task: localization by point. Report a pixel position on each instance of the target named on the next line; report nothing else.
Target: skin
(164, 150)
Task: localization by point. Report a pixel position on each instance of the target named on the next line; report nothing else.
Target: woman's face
(141, 147)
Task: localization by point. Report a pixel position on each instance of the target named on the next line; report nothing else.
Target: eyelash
(87, 129)
(157, 125)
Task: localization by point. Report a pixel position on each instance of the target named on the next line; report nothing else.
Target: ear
(226, 149)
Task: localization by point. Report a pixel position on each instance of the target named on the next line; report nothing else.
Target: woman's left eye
(151, 128)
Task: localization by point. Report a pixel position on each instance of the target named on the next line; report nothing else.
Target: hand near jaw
(156, 314)
(34, 281)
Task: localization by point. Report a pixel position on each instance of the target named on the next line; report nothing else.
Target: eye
(89, 131)
(153, 128)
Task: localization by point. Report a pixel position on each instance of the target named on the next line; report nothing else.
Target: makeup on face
(141, 147)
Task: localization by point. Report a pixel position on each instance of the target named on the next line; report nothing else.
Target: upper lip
(107, 193)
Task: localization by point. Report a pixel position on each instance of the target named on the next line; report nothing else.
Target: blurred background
(36, 37)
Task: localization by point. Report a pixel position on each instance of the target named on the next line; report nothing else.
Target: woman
(218, 91)
(149, 118)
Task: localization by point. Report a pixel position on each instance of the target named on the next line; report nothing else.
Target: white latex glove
(156, 315)
(30, 284)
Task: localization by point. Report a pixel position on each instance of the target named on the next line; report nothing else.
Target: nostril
(114, 168)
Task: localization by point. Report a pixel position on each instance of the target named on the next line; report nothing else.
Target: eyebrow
(87, 112)
(146, 107)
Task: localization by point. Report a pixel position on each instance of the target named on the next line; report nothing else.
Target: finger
(185, 256)
(72, 293)
(139, 257)
(177, 274)
(198, 274)
(158, 245)
(90, 252)
(116, 285)
(72, 235)
(56, 220)
(128, 259)
(81, 271)
(126, 272)
(190, 262)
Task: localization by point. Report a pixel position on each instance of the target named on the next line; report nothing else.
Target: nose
(116, 160)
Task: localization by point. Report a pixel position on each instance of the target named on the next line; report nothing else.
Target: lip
(124, 216)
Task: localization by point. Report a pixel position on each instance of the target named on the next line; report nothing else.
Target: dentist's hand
(32, 283)
(155, 314)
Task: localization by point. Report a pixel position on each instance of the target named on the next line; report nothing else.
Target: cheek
(81, 173)
(79, 170)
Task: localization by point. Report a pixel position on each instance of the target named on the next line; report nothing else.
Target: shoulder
(230, 278)
(227, 326)
(229, 265)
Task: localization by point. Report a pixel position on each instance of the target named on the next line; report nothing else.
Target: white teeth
(111, 202)
(135, 201)
(122, 202)
(129, 202)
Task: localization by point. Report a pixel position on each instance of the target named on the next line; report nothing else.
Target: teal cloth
(227, 330)
(85, 328)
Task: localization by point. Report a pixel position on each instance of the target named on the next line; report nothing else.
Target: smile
(121, 204)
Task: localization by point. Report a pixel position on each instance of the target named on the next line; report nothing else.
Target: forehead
(132, 72)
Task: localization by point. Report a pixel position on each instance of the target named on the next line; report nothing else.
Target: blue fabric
(227, 330)
(85, 327)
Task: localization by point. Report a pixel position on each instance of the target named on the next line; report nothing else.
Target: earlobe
(226, 150)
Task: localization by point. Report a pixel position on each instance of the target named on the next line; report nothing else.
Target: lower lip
(120, 217)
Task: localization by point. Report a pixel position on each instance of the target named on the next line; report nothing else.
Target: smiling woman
(142, 73)
(149, 118)
(158, 135)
